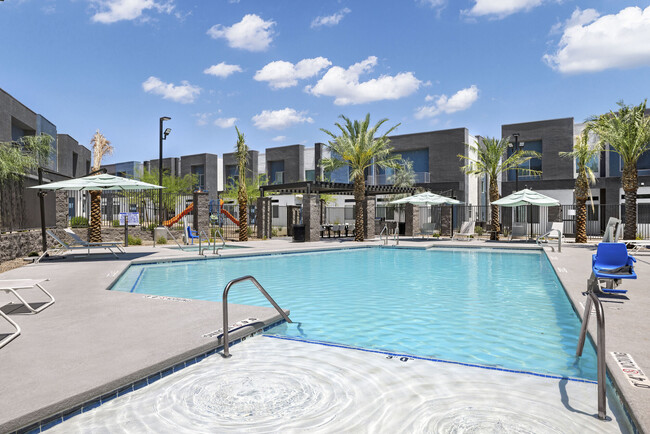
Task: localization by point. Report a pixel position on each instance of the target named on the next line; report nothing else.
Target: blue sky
(282, 69)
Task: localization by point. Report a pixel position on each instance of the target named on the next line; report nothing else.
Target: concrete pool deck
(93, 341)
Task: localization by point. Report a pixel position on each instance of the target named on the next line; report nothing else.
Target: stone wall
(16, 244)
(311, 216)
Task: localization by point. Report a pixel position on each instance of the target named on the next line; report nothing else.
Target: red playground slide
(177, 217)
(227, 214)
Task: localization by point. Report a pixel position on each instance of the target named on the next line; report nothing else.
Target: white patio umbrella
(98, 182)
(94, 183)
(427, 198)
(526, 197)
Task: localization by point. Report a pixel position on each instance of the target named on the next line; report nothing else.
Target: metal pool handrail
(385, 228)
(226, 352)
(173, 237)
(600, 347)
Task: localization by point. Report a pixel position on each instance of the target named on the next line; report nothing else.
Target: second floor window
(532, 164)
(199, 171)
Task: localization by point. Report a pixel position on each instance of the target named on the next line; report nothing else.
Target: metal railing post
(226, 344)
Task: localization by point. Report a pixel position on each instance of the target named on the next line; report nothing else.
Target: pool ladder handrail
(201, 232)
(543, 239)
(395, 235)
(226, 345)
(173, 237)
(592, 298)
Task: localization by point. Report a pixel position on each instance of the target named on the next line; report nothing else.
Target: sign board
(134, 218)
(571, 212)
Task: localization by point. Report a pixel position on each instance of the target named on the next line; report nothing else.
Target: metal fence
(229, 223)
(145, 203)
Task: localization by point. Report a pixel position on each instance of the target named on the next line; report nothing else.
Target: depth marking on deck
(632, 372)
(562, 270)
(555, 258)
(162, 297)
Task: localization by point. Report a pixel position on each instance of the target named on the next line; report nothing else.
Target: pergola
(322, 187)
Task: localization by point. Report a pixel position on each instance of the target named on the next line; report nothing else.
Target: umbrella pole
(530, 208)
(41, 196)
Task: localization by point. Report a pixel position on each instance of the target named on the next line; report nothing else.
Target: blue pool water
(496, 308)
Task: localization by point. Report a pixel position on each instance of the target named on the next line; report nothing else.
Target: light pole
(162, 136)
(516, 149)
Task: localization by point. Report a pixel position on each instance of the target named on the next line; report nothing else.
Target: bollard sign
(134, 218)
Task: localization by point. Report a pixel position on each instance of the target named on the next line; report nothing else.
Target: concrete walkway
(93, 341)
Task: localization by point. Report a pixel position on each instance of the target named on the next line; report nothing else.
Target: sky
(280, 70)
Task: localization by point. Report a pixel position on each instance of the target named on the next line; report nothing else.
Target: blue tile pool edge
(91, 404)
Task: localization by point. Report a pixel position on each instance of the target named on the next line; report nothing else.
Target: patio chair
(337, 229)
(5, 338)
(427, 229)
(64, 247)
(466, 231)
(553, 232)
(519, 229)
(610, 265)
(109, 244)
(192, 235)
(12, 286)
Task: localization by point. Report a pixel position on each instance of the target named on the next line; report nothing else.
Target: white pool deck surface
(93, 341)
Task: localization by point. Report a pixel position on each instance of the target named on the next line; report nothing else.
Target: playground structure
(179, 216)
(189, 209)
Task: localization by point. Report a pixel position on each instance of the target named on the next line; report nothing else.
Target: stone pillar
(311, 216)
(445, 217)
(263, 217)
(369, 218)
(201, 212)
(412, 219)
(61, 209)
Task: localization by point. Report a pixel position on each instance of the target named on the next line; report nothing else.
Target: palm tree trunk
(581, 220)
(494, 195)
(243, 219)
(359, 195)
(630, 186)
(95, 217)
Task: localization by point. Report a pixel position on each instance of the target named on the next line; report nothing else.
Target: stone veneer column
(445, 217)
(412, 218)
(61, 209)
(311, 216)
(201, 212)
(263, 211)
(369, 218)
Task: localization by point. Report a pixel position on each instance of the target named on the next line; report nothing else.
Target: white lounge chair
(553, 233)
(64, 247)
(466, 231)
(105, 244)
(519, 229)
(427, 229)
(12, 286)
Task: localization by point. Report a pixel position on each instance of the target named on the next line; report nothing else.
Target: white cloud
(111, 11)
(500, 8)
(591, 44)
(222, 70)
(279, 138)
(225, 122)
(461, 100)
(202, 118)
(280, 119)
(344, 85)
(578, 18)
(252, 33)
(433, 3)
(281, 74)
(330, 20)
(185, 93)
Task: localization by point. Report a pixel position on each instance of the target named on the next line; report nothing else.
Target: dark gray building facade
(231, 170)
(285, 164)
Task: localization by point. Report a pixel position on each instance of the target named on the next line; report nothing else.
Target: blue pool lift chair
(610, 265)
(191, 235)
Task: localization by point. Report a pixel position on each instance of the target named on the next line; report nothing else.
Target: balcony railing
(420, 178)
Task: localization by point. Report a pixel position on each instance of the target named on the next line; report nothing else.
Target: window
(276, 172)
(75, 158)
(232, 173)
(532, 164)
(310, 175)
(644, 161)
(275, 209)
(199, 171)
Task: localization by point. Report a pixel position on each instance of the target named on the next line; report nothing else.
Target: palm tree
(101, 147)
(358, 148)
(241, 154)
(583, 153)
(488, 159)
(628, 134)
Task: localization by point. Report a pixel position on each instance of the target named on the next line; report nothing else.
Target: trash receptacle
(299, 233)
(402, 228)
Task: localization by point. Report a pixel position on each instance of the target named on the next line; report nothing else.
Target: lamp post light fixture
(162, 136)
(517, 146)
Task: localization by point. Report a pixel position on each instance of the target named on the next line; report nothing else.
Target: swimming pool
(485, 307)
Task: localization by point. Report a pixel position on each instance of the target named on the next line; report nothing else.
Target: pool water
(486, 307)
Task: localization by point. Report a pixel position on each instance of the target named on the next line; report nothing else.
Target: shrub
(250, 231)
(32, 254)
(161, 240)
(152, 226)
(116, 223)
(478, 230)
(78, 222)
(274, 232)
(135, 241)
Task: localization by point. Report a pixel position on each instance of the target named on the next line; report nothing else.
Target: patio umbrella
(526, 197)
(94, 183)
(98, 182)
(427, 198)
